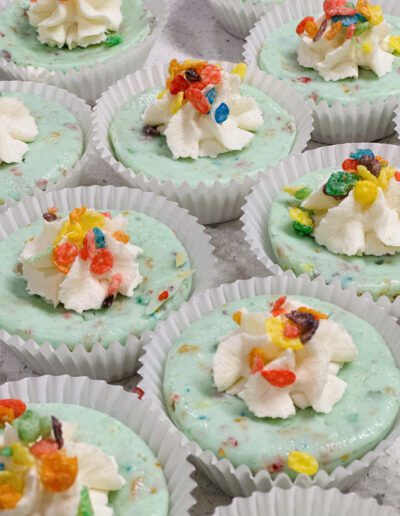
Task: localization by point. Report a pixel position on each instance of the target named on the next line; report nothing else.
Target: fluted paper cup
(304, 502)
(258, 203)
(212, 202)
(140, 416)
(89, 81)
(118, 360)
(397, 121)
(239, 16)
(339, 123)
(82, 113)
(241, 481)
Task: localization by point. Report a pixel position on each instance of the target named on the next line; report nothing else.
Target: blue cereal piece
(99, 238)
(349, 20)
(221, 113)
(211, 96)
(362, 152)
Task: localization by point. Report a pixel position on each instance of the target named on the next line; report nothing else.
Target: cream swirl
(74, 23)
(336, 45)
(82, 261)
(283, 359)
(205, 119)
(17, 128)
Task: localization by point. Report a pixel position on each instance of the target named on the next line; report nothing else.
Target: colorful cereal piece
(237, 317)
(347, 21)
(240, 69)
(340, 184)
(364, 173)
(178, 84)
(301, 27)
(198, 100)
(64, 256)
(311, 29)
(102, 262)
(303, 463)
(99, 238)
(298, 192)
(365, 192)
(211, 74)
(163, 296)
(394, 42)
(350, 165)
(28, 426)
(290, 330)
(315, 313)
(113, 40)
(43, 447)
(89, 246)
(115, 284)
(321, 30)
(6, 416)
(18, 406)
(177, 102)
(278, 306)
(58, 472)
(350, 31)
(21, 455)
(274, 328)
(221, 113)
(121, 236)
(279, 377)
(361, 28)
(306, 322)
(211, 96)
(9, 497)
(362, 152)
(257, 360)
(333, 31)
(339, 7)
(85, 507)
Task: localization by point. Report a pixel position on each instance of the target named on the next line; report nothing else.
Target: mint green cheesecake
(60, 140)
(163, 264)
(222, 422)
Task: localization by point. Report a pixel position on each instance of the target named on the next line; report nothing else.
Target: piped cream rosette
(241, 481)
(118, 360)
(210, 203)
(266, 363)
(354, 122)
(22, 130)
(258, 204)
(89, 81)
(95, 467)
(307, 502)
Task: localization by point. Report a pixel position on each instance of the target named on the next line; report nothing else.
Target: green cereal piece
(28, 426)
(301, 228)
(362, 27)
(85, 507)
(6, 451)
(339, 184)
(113, 40)
(303, 193)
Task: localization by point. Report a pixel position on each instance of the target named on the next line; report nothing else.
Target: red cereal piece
(350, 165)
(43, 447)
(277, 308)
(89, 246)
(139, 392)
(102, 262)
(64, 256)
(164, 295)
(211, 74)
(338, 8)
(106, 214)
(291, 331)
(17, 406)
(304, 80)
(115, 283)
(178, 83)
(198, 100)
(397, 175)
(301, 27)
(279, 377)
(350, 31)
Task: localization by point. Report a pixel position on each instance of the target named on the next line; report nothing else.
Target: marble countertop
(193, 30)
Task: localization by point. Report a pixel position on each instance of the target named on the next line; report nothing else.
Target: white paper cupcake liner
(258, 203)
(210, 203)
(238, 16)
(118, 361)
(91, 80)
(241, 481)
(140, 416)
(305, 502)
(78, 108)
(338, 123)
(397, 121)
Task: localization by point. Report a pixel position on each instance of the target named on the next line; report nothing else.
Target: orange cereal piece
(58, 472)
(315, 313)
(121, 236)
(6, 416)
(311, 28)
(9, 496)
(334, 31)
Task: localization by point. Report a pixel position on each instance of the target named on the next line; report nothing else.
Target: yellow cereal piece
(375, 15)
(77, 213)
(292, 190)
(365, 192)
(162, 94)
(274, 326)
(302, 463)
(367, 47)
(301, 216)
(177, 103)
(21, 455)
(13, 479)
(394, 42)
(237, 317)
(79, 223)
(385, 176)
(240, 69)
(366, 174)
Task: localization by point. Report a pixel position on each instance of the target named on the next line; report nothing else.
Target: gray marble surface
(193, 30)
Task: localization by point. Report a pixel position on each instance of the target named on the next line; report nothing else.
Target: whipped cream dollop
(284, 359)
(82, 261)
(17, 128)
(345, 38)
(82, 477)
(74, 23)
(355, 212)
(202, 112)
